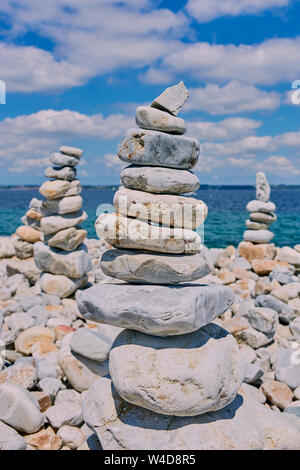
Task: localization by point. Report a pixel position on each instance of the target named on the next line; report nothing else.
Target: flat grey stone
(123, 232)
(263, 217)
(169, 210)
(293, 408)
(288, 366)
(260, 206)
(140, 267)
(55, 223)
(159, 180)
(269, 301)
(61, 173)
(251, 225)
(258, 236)
(23, 250)
(67, 240)
(154, 148)
(263, 189)
(263, 319)
(185, 375)
(71, 264)
(91, 344)
(64, 205)
(172, 99)
(73, 151)
(154, 119)
(156, 310)
(60, 159)
(252, 374)
(243, 424)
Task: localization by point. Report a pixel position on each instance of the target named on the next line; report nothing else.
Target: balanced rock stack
(261, 213)
(62, 257)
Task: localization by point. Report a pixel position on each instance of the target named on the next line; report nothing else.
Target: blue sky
(76, 70)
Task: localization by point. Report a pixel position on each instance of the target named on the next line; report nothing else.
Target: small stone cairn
(261, 213)
(62, 257)
(171, 362)
(28, 233)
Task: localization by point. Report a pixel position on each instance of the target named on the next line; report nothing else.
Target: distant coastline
(112, 186)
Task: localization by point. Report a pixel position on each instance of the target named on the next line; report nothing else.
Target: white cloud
(111, 160)
(248, 146)
(234, 97)
(230, 128)
(279, 166)
(26, 141)
(207, 10)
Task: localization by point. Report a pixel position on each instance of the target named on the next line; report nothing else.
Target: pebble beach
(147, 337)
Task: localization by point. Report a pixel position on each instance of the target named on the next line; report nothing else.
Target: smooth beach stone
(26, 267)
(263, 189)
(61, 286)
(56, 223)
(10, 439)
(7, 249)
(159, 180)
(289, 255)
(45, 439)
(68, 412)
(61, 206)
(243, 424)
(260, 206)
(31, 336)
(73, 151)
(172, 99)
(258, 236)
(61, 173)
(71, 436)
(287, 369)
(154, 148)
(67, 240)
(19, 409)
(28, 234)
(174, 211)
(33, 214)
(183, 376)
(251, 225)
(60, 159)
(91, 344)
(262, 217)
(156, 310)
(263, 319)
(72, 264)
(122, 232)
(56, 189)
(140, 267)
(154, 119)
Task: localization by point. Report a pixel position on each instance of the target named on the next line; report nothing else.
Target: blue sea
(224, 226)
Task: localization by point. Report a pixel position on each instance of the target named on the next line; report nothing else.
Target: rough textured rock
(61, 206)
(263, 189)
(19, 409)
(263, 319)
(154, 148)
(46, 439)
(183, 376)
(116, 424)
(59, 285)
(67, 412)
(20, 373)
(60, 159)
(26, 267)
(55, 223)
(122, 232)
(24, 250)
(61, 173)
(169, 210)
(172, 99)
(156, 310)
(33, 335)
(66, 240)
(159, 180)
(288, 367)
(289, 255)
(148, 117)
(71, 264)
(258, 236)
(74, 151)
(251, 252)
(139, 267)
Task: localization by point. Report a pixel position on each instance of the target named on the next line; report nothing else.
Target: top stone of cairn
(263, 189)
(172, 99)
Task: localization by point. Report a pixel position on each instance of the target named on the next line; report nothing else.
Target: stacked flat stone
(261, 213)
(62, 257)
(171, 361)
(28, 233)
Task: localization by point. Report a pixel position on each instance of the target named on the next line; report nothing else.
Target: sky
(75, 71)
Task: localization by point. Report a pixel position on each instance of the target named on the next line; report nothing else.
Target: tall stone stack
(261, 213)
(171, 366)
(62, 257)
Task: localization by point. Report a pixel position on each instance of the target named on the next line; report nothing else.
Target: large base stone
(156, 310)
(244, 424)
(185, 375)
(140, 267)
(258, 236)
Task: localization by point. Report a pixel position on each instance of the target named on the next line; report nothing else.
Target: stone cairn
(261, 213)
(62, 257)
(28, 233)
(171, 362)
